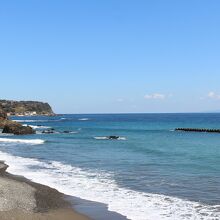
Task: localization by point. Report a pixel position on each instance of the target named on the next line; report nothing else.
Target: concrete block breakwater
(198, 130)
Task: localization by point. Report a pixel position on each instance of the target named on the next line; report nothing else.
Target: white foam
(101, 138)
(37, 126)
(32, 141)
(101, 187)
(122, 138)
(73, 132)
(107, 138)
(5, 134)
(27, 120)
(83, 119)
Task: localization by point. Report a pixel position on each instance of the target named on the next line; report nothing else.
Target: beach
(22, 199)
(150, 172)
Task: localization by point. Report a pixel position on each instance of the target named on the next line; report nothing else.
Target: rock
(113, 137)
(17, 129)
(13, 127)
(4, 122)
(3, 167)
(48, 131)
(3, 118)
(3, 115)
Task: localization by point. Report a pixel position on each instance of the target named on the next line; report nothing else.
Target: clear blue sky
(99, 56)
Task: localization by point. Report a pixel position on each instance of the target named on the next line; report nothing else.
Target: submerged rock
(51, 131)
(113, 137)
(12, 127)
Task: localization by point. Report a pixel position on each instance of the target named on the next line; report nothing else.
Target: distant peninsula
(21, 108)
(25, 108)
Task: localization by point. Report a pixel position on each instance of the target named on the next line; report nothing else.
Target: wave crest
(101, 187)
(24, 141)
(108, 138)
(83, 119)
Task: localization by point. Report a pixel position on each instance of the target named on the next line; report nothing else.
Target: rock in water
(13, 127)
(112, 137)
(17, 129)
(50, 131)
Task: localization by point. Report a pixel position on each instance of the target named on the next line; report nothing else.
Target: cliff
(8, 108)
(25, 108)
(13, 127)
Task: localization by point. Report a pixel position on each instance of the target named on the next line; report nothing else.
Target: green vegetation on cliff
(25, 108)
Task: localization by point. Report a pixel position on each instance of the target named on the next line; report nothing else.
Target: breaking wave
(83, 119)
(25, 141)
(100, 186)
(107, 138)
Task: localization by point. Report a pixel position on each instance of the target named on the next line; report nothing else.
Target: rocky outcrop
(13, 127)
(4, 122)
(25, 108)
(8, 108)
(17, 129)
(3, 115)
(3, 118)
(3, 167)
(113, 137)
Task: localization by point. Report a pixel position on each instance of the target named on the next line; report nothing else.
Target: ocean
(152, 172)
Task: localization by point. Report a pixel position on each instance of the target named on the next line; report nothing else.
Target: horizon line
(114, 113)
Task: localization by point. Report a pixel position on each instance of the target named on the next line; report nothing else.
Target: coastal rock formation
(3, 167)
(17, 129)
(3, 115)
(3, 118)
(25, 108)
(13, 127)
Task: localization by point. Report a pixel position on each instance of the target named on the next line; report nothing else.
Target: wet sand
(59, 214)
(21, 199)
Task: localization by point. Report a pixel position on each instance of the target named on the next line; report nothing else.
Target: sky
(112, 56)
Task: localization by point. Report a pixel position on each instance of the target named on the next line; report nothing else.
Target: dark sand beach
(22, 199)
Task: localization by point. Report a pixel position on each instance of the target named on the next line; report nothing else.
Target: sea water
(150, 172)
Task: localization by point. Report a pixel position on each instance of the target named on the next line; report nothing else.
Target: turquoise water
(155, 172)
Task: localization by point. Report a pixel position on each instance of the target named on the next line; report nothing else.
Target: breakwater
(198, 130)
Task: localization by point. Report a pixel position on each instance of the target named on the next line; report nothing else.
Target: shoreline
(28, 200)
(22, 199)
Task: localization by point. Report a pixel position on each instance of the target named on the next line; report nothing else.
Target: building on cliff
(25, 108)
